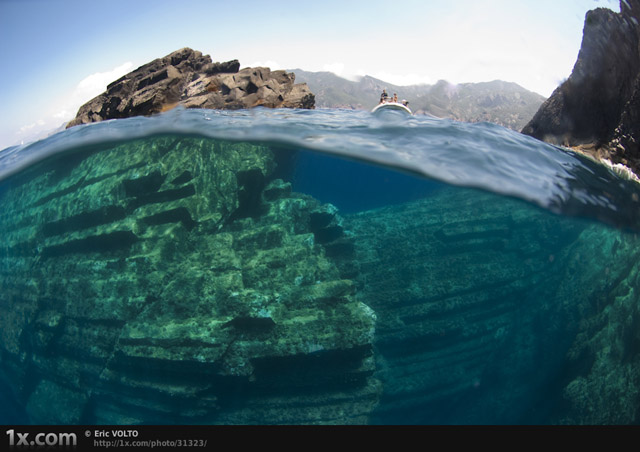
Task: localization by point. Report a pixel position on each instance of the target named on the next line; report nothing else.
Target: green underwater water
(183, 279)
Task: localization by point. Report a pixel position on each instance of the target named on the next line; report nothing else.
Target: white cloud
(66, 107)
(336, 68)
(403, 79)
(95, 84)
(26, 128)
(88, 88)
(62, 114)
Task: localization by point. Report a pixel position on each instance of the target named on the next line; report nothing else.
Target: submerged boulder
(188, 78)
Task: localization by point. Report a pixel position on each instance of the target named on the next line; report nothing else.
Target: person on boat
(395, 98)
(405, 102)
(384, 97)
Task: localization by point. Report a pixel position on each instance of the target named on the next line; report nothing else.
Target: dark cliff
(188, 78)
(597, 105)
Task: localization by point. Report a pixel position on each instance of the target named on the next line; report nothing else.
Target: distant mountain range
(504, 103)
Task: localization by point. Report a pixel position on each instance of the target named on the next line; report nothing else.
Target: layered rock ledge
(188, 78)
(175, 280)
(495, 313)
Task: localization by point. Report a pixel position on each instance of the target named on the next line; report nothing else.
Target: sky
(58, 54)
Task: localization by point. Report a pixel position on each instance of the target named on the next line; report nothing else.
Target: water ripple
(480, 155)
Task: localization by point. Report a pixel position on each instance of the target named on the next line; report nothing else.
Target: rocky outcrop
(188, 78)
(173, 280)
(597, 106)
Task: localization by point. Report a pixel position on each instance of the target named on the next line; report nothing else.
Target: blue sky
(58, 54)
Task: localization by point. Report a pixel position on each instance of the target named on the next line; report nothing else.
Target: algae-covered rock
(479, 306)
(172, 279)
(469, 325)
(603, 379)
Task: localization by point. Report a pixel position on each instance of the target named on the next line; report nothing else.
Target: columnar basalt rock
(188, 78)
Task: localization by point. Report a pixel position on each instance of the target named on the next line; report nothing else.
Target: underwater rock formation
(484, 307)
(173, 280)
(602, 378)
(597, 106)
(188, 78)
(461, 296)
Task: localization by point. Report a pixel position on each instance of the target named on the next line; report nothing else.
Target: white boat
(391, 106)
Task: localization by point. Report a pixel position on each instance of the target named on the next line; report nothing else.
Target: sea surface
(499, 274)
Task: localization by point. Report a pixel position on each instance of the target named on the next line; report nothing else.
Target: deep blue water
(510, 213)
(355, 186)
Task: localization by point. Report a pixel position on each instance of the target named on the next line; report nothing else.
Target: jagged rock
(597, 105)
(171, 280)
(188, 78)
(219, 68)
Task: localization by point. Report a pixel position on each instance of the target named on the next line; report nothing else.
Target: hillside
(504, 103)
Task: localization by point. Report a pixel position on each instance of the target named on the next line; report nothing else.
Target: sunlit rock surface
(190, 79)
